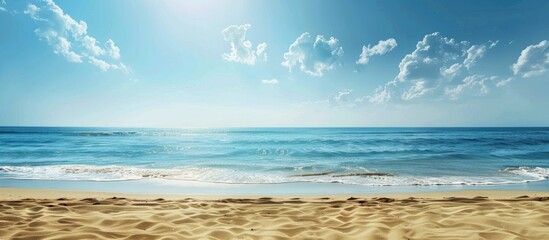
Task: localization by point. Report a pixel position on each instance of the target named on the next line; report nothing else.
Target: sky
(283, 63)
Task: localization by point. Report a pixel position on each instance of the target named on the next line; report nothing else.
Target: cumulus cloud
(476, 52)
(430, 56)
(452, 71)
(384, 46)
(273, 81)
(533, 60)
(91, 45)
(112, 49)
(63, 47)
(438, 63)
(69, 38)
(314, 56)
(242, 50)
(260, 52)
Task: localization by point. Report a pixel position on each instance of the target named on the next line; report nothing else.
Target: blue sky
(274, 63)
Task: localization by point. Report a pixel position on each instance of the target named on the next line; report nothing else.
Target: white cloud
(112, 49)
(69, 38)
(533, 60)
(242, 49)
(260, 52)
(91, 44)
(273, 81)
(63, 47)
(504, 82)
(476, 52)
(381, 94)
(433, 69)
(3, 9)
(472, 82)
(431, 55)
(384, 46)
(473, 53)
(100, 63)
(32, 11)
(418, 89)
(105, 66)
(477, 85)
(340, 97)
(451, 71)
(344, 98)
(313, 56)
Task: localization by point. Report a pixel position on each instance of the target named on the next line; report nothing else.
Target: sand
(55, 214)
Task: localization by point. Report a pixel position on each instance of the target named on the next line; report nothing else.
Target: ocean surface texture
(356, 156)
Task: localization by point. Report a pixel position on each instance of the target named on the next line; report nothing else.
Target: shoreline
(39, 193)
(273, 190)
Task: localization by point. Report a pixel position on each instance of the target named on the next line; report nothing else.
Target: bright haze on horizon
(274, 63)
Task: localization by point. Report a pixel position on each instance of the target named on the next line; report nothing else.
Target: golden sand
(37, 214)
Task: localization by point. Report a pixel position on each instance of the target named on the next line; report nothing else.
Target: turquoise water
(333, 157)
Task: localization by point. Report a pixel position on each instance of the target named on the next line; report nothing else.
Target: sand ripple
(267, 218)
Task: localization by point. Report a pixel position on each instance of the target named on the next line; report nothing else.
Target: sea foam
(233, 176)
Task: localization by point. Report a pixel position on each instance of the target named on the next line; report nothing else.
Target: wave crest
(535, 172)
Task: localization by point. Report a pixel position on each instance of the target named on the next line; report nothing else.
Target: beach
(62, 214)
(274, 119)
(274, 183)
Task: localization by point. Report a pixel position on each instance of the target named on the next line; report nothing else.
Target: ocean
(256, 159)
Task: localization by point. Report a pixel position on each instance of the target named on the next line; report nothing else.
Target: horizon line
(262, 127)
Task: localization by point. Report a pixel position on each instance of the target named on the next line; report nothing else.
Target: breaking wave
(511, 175)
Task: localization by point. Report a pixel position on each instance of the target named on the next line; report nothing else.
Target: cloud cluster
(242, 50)
(383, 47)
(438, 66)
(69, 38)
(314, 56)
(533, 60)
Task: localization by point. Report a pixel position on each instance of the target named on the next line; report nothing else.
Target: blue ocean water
(350, 156)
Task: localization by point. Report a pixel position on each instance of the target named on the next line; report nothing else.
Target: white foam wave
(124, 173)
(233, 176)
(538, 173)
